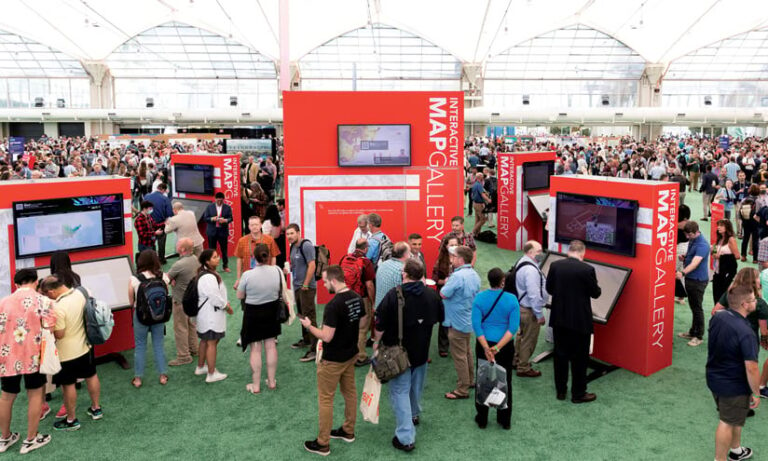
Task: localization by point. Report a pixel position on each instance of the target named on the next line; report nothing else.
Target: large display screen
(193, 179)
(374, 145)
(536, 174)
(106, 279)
(76, 223)
(610, 278)
(602, 223)
(257, 147)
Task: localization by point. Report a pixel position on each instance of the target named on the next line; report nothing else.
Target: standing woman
(260, 287)
(147, 267)
(724, 253)
(748, 224)
(440, 273)
(211, 320)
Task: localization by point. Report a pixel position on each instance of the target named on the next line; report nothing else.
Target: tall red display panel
(15, 191)
(226, 179)
(325, 198)
(638, 335)
(517, 219)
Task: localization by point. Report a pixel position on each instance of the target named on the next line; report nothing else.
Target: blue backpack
(153, 305)
(98, 319)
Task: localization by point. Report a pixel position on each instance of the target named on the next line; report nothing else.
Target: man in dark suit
(572, 283)
(218, 216)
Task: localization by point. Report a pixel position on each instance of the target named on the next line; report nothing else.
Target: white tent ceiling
(658, 30)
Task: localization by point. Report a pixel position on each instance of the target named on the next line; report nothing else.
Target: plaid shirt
(762, 250)
(145, 227)
(467, 240)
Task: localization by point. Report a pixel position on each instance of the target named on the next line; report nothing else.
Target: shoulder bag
(283, 313)
(392, 361)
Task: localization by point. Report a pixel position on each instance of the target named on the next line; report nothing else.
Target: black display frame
(193, 167)
(410, 145)
(551, 169)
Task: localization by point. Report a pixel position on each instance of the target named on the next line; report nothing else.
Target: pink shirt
(22, 315)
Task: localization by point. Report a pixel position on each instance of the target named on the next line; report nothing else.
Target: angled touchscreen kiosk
(106, 279)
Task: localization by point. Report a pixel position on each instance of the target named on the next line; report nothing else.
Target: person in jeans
(341, 321)
(695, 275)
(304, 285)
(458, 294)
(33, 312)
(422, 310)
(181, 274)
(148, 266)
(531, 289)
(495, 320)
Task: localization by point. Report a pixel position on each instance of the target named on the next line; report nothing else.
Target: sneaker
(215, 376)
(685, 335)
(95, 413)
(308, 357)
(180, 362)
(406, 448)
(764, 392)
(5, 444)
(299, 344)
(746, 453)
(64, 425)
(695, 342)
(199, 371)
(313, 447)
(62, 412)
(341, 435)
(39, 441)
(369, 342)
(46, 410)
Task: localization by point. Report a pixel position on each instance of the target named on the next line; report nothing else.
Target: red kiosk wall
(325, 199)
(639, 333)
(226, 179)
(10, 191)
(517, 220)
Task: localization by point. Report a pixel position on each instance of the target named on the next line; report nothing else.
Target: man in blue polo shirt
(696, 276)
(732, 372)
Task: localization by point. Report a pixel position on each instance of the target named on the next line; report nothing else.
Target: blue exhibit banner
(16, 146)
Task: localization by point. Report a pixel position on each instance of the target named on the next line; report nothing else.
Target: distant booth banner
(522, 197)
(398, 154)
(630, 230)
(196, 178)
(90, 218)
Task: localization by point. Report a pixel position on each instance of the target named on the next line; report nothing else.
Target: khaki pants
(329, 375)
(363, 330)
(461, 352)
(479, 217)
(527, 337)
(185, 333)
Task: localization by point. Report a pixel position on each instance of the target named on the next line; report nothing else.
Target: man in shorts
(732, 372)
(74, 352)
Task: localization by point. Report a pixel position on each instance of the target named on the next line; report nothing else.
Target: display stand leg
(543, 356)
(599, 369)
(113, 357)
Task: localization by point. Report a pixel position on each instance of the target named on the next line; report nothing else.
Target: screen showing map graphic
(374, 145)
(46, 226)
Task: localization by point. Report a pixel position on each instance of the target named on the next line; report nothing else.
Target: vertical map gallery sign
(506, 200)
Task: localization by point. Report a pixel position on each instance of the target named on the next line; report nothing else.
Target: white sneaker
(5, 444)
(39, 441)
(215, 376)
(199, 371)
(695, 342)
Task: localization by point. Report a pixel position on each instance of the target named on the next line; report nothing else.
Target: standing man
(377, 240)
(415, 243)
(458, 294)
(709, 186)
(341, 320)
(161, 211)
(246, 245)
(181, 274)
(359, 276)
(531, 291)
(465, 239)
(422, 309)
(696, 276)
(572, 283)
(732, 371)
(302, 254)
(218, 216)
(479, 199)
(146, 229)
(184, 223)
(361, 231)
(390, 272)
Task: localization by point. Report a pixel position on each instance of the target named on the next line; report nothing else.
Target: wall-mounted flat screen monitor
(193, 179)
(257, 147)
(610, 278)
(536, 174)
(76, 223)
(106, 279)
(374, 145)
(602, 223)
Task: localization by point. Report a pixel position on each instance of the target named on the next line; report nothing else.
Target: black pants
(504, 358)
(161, 247)
(442, 339)
(220, 241)
(571, 348)
(721, 279)
(695, 290)
(749, 229)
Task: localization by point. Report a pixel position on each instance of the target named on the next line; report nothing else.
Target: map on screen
(53, 232)
(374, 145)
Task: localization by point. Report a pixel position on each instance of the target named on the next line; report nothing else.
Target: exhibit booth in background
(196, 178)
(522, 197)
(90, 218)
(398, 154)
(630, 230)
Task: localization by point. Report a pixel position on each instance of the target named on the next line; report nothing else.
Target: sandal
(454, 396)
(163, 380)
(252, 388)
(136, 381)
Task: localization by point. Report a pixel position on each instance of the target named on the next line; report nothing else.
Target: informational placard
(16, 147)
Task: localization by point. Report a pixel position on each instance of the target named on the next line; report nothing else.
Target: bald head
(177, 206)
(361, 244)
(185, 246)
(532, 248)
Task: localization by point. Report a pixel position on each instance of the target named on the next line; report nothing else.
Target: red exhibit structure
(518, 218)
(639, 332)
(208, 175)
(59, 229)
(398, 154)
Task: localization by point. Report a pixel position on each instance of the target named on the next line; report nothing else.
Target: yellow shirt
(70, 309)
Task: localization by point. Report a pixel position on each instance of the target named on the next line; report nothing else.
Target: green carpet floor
(669, 415)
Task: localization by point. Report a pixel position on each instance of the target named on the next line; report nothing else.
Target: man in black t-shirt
(341, 321)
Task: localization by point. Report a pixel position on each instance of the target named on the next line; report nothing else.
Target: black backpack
(510, 285)
(190, 301)
(153, 305)
(322, 258)
(486, 236)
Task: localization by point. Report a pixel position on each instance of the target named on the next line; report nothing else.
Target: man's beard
(330, 288)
